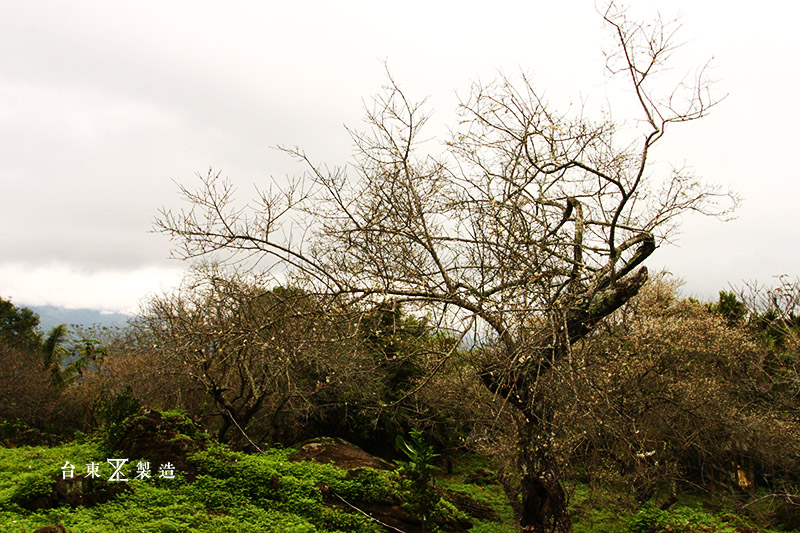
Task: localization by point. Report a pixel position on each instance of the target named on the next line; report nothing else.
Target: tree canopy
(528, 228)
(18, 325)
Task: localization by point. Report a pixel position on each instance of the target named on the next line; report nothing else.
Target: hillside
(51, 316)
(325, 485)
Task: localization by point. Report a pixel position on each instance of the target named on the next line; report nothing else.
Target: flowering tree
(533, 226)
(257, 355)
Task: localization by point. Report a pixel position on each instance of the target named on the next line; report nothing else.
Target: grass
(491, 494)
(233, 492)
(598, 510)
(238, 492)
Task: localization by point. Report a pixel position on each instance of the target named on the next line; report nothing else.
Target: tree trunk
(539, 501)
(544, 501)
(543, 508)
(223, 430)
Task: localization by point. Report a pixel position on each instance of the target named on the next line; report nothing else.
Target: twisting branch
(537, 223)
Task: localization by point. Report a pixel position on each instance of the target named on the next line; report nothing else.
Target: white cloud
(66, 286)
(104, 103)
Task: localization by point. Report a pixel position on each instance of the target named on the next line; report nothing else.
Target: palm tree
(54, 351)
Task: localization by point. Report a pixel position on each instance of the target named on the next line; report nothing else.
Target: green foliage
(445, 510)
(236, 492)
(419, 470)
(12, 429)
(370, 485)
(729, 307)
(28, 487)
(419, 466)
(27, 472)
(400, 349)
(599, 509)
(777, 329)
(18, 326)
(53, 351)
(233, 492)
(610, 509)
(85, 356)
(775, 313)
(65, 360)
(183, 424)
(650, 519)
(217, 460)
(270, 481)
(113, 409)
(465, 469)
(394, 338)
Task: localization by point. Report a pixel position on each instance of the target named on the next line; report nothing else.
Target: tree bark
(544, 501)
(543, 506)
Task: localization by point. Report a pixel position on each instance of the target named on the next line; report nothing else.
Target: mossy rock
(482, 477)
(162, 438)
(389, 509)
(338, 452)
(81, 490)
(469, 505)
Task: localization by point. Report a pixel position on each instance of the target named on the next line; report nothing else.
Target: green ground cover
(234, 491)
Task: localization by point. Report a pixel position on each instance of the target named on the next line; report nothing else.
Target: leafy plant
(29, 487)
(729, 307)
(650, 519)
(86, 355)
(113, 409)
(419, 470)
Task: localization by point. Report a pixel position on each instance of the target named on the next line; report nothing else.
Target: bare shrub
(669, 392)
(29, 396)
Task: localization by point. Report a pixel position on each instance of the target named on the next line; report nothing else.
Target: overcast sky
(105, 105)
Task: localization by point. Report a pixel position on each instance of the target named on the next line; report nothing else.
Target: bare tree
(670, 391)
(531, 227)
(258, 355)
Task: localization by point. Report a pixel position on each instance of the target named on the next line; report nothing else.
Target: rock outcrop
(162, 439)
(389, 513)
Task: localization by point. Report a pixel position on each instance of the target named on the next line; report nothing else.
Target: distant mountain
(51, 316)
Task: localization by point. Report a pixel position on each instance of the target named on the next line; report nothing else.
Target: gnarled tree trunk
(543, 504)
(544, 501)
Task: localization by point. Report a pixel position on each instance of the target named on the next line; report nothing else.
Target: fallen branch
(789, 498)
(245, 434)
(368, 515)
